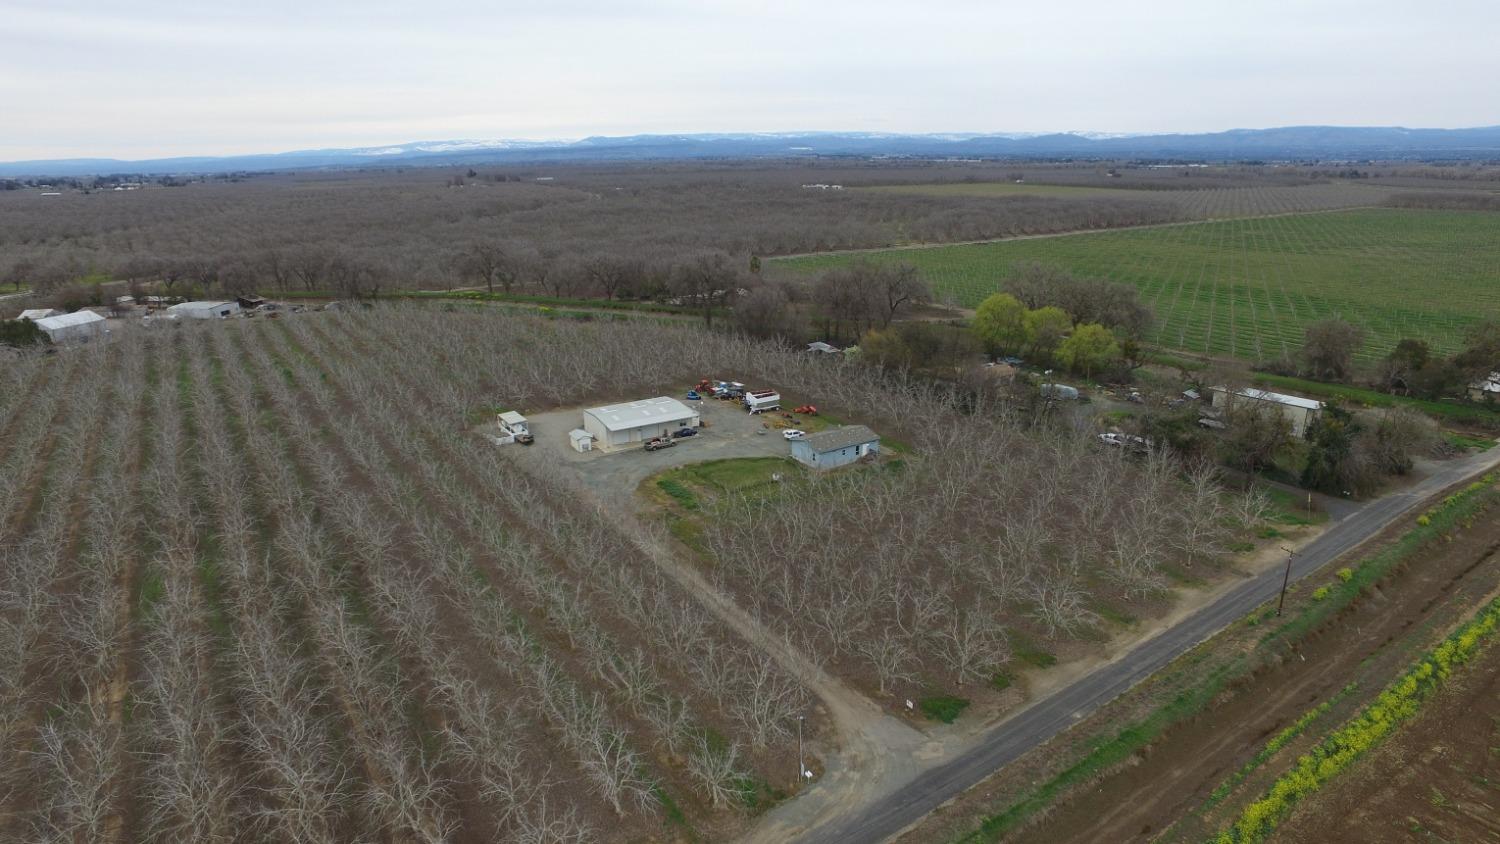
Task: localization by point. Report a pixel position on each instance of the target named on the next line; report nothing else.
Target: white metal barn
(204, 310)
(632, 422)
(67, 327)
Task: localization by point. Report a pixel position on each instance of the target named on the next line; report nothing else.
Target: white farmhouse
(65, 328)
(632, 422)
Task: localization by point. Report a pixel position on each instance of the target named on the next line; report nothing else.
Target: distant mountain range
(1292, 142)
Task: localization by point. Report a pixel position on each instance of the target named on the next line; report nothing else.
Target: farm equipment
(806, 410)
(760, 401)
(728, 390)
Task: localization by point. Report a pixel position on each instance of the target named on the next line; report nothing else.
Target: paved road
(1012, 738)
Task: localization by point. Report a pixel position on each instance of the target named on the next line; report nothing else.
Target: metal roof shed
(69, 327)
(620, 424)
(205, 310)
(35, 314)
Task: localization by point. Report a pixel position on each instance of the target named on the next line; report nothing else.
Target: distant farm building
(835, 448)
(65, 328)
(632, 422)
(1485, 389)
(35, 314)
(1299, 411)
(820, 347)
(204, 310)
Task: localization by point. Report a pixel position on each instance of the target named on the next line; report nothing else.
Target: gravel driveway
(614, 475)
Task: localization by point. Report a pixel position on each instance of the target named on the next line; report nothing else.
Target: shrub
(1321, 593)
(1346, 574)
(945, 708)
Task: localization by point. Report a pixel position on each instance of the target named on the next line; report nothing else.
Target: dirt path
(876, 750)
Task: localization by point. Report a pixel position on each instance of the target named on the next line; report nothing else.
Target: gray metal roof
(845, 437)
(623, 417)
(67, 320)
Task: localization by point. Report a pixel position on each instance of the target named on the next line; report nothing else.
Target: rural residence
(838, 447)
(1486, 389)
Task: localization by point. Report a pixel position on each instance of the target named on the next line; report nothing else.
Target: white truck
(760, 401)
(513, 428)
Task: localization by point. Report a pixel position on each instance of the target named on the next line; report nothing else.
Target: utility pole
(1285, 578)
(801, 768)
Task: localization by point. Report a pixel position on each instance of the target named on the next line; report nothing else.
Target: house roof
(1278, 398)
(68, 320)
(820, 346)
(37, 313)
(623, 417)
(200, 306)
(1490, 384)
(510, 417)
(849, 435)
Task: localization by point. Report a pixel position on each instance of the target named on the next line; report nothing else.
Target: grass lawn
(1247, 288)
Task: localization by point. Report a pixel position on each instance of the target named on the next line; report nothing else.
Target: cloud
(151, 77)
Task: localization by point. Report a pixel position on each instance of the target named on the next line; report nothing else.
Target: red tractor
(806, 410)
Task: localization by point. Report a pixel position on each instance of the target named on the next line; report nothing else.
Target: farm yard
(1246, 288)
(260, 579)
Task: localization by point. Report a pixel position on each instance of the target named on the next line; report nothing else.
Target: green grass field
(1008, 189)
(1247, 288)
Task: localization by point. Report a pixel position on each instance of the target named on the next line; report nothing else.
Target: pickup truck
(659, 443)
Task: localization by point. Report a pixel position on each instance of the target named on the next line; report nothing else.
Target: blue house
(838, 447)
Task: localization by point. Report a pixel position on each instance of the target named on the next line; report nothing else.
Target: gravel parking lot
(614, 475)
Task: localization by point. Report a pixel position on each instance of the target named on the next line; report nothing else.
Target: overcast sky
(151, 78)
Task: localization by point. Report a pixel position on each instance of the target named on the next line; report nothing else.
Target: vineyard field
(1199, 204)
(1247, 288)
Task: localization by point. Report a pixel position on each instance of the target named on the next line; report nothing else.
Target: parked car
(692, 395)
(684, 432)
(659, 443)
(793, 434)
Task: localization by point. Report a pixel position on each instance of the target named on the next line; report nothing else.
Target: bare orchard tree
(706, 281)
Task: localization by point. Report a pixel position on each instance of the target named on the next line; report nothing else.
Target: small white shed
(582, 440)
(66, 328)
(35, 314)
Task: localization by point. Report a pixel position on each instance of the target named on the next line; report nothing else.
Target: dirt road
(885, 814)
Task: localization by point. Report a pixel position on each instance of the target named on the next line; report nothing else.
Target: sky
(155, 78)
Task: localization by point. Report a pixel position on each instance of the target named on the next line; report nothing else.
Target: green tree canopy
(1045, 330)
(1000, 323)
(1089, 349)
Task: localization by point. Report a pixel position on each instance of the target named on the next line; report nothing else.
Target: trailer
(513, 428)
(760, 401)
